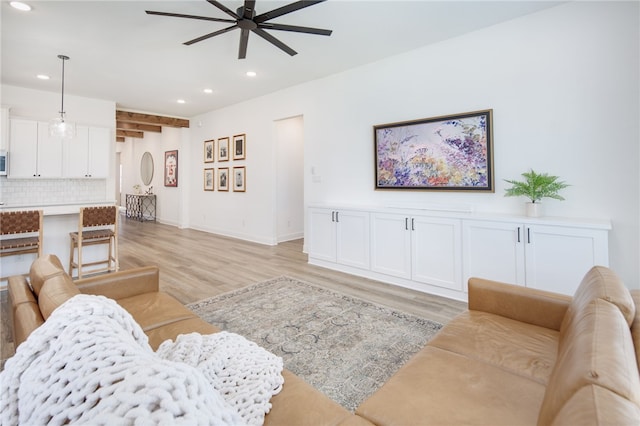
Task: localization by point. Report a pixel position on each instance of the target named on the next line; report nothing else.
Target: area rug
(341, 345)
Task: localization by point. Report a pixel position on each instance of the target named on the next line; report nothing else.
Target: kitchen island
(58, 221)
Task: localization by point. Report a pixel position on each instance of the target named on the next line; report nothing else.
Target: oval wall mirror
(146, 168)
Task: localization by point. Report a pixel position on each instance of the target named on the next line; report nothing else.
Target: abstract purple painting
(453, 153)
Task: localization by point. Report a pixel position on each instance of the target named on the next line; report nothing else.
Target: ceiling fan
(246, 20)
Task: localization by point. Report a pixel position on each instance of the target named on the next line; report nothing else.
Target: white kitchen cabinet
(87, 154)
(419, 248)
(340, 236)
(32, 153)
(542, 256)
(557, 258)
(438, 251)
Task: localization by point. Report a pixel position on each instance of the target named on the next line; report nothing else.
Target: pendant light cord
(64, 58)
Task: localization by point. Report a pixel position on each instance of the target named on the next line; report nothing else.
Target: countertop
(56, 209)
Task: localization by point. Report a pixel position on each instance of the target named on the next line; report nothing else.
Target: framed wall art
(208, 179)
(223, 179)
(450, 153)
(223, 149)
(171, 168)
(239, 179)
(239, 146)
(209, 151)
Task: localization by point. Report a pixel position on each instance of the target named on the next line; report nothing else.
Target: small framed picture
(171, 168)
(208, 151)
(239, 146)
(223, 149)
(208, 179)
(223, 179)
(239, 179)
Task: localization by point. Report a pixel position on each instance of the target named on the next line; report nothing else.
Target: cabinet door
(436, 251)
(322, 234)
(391, 244)
(49, 153)
(23, 148)
(352, 238)
(76, 152)
(493, 250)
(99, 158)
(557, 258)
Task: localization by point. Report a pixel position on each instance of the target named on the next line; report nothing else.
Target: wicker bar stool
(21, 233)
(106, 218)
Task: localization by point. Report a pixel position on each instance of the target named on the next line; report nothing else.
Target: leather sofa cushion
(56, 290)
(520, 348)
(153, 310)
(596, 350)
(601, 283)
(439, 387)
(594, 405)
(172, 330)
(43, 268)
(295, 394)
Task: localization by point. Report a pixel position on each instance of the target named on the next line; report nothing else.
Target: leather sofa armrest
(528, 305)
(26, 315)
(121, 284)
(19, 290)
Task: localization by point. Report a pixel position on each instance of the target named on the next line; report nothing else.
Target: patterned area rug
(343, 346)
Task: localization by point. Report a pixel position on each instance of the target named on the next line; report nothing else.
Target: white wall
(289, 178)
(563, 84)
(168, 199)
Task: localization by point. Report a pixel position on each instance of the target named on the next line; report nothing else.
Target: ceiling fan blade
(284, 10)
(295, 29)
(179, 15)
(244, 40)
(213, 34)
(249, 9)
(223, 8)
(271, 39)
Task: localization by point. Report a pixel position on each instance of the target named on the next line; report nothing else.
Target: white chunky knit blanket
(91, 363)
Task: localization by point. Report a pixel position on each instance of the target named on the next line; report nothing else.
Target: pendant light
(58, 127)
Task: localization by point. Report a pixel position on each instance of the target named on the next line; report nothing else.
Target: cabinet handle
(337, 217)
(413, 224)
(406, 223)
(333, 216)
(528, 235)
(518, 234)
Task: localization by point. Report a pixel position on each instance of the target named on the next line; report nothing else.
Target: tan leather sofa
(161, 317)
(518, 356)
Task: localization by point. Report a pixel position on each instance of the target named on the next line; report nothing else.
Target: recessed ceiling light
(20, 6)
(251, 74)
(181, 101)
(43, 77)
(208, 91)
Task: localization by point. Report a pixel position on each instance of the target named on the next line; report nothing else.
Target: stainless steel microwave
(4, 162)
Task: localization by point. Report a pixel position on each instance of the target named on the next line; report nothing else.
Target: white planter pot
(534, 209)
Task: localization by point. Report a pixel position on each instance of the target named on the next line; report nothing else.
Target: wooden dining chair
(20, 233)
(106, 220)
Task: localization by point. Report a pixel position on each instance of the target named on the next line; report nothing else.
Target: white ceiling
(120, 53)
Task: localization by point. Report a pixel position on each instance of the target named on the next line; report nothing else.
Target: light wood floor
(195, 265)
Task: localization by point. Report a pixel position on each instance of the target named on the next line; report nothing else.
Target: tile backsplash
(51, 191)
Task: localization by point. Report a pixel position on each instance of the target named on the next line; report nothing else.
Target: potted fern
(536, 186)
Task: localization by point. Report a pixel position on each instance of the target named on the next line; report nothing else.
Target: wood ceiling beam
(124, 125)
(158, 120)
(129, 133)
(119, 138)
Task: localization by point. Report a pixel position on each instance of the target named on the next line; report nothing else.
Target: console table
(141, 207)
